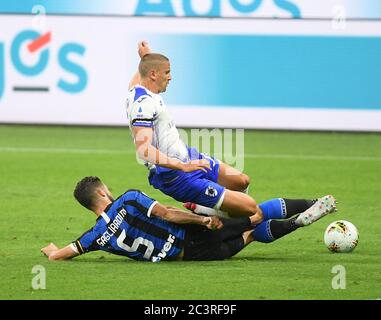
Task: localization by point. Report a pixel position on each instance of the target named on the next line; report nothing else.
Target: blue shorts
(198, 186)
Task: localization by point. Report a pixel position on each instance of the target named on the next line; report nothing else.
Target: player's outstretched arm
(182, 217)
(143, 49)
(55, 253)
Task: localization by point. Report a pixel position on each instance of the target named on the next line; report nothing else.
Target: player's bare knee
(242, 182)
(252, 207)
(245, 181)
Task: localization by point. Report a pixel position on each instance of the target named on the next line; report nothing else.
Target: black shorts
(203, 244)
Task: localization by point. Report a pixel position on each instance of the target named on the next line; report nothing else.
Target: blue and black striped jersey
(127, 228)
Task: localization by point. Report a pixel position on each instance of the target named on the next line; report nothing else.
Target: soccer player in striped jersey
(136, 226)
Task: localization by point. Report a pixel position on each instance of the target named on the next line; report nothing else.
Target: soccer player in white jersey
(182, 172)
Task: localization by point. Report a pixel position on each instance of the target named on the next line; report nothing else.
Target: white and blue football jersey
(147, 109)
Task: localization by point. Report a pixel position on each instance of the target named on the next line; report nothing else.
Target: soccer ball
(341, 236)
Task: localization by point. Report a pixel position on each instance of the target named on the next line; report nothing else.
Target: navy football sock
(262, 233)
(271, 230)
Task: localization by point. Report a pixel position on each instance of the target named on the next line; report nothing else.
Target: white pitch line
(312, 157)
(248, 155)
(63, 150)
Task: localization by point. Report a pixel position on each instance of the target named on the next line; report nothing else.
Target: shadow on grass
(112, 259)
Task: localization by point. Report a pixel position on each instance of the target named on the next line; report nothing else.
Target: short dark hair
(84, 192)
(151, 61)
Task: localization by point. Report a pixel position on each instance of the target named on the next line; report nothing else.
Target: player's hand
(143, 48)
(213, 223)
(195, 165)
(48, 249)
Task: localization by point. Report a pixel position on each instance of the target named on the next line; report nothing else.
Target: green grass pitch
(39, 167)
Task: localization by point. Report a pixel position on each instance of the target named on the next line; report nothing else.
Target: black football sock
(280, 228)
(294, 206)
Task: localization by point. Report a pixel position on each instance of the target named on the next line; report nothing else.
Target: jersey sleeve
(140, 200)
(147, 202)
(86, 242)
(143, 111)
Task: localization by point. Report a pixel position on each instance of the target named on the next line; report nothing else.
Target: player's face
(108, 193)
(163, 76)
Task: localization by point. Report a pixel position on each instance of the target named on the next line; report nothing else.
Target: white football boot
(321, 208)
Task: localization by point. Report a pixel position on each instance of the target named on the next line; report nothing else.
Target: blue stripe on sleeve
(143, 124)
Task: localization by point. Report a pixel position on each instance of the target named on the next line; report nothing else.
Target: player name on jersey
(112, 228)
